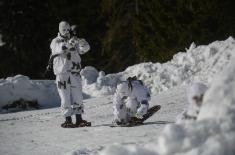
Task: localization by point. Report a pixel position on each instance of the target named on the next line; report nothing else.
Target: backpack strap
(129, 80)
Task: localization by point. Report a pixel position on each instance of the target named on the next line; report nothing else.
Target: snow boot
(80, 122)
(135, 121)
(68, 123)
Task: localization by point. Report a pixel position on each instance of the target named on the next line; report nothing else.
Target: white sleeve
(118, 102)
(83, 47)
(56, 47)
(143, 109)
(142, 95)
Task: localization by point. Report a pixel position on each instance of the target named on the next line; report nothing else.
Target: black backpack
(134, 78)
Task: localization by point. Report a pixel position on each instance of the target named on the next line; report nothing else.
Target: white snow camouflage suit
(66, 67)
(130, 100)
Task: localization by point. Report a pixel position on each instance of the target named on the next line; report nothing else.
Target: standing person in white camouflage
(131, 101)
(195, 94)
(66, 67)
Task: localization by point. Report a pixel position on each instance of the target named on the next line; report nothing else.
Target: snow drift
(21, 87)
(200, 64)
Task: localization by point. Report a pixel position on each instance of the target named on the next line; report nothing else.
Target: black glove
(69, 56)
(72, 49)
(64, 48)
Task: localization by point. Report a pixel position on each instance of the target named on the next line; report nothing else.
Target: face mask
(64, 29)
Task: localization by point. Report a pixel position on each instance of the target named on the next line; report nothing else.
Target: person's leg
(76, 94)
(63, 88)
(77, 100)
(119, 110)
(120, 115)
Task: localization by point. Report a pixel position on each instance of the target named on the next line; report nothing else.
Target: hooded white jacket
(67, 60)
(134, 97)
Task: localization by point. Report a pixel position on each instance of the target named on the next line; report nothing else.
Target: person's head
(74, 30)
(64, 29)
(123, 89)
(196, 93)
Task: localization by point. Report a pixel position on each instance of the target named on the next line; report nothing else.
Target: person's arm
(143, 109)
(83, 46)
(58, 47)
(142, 96)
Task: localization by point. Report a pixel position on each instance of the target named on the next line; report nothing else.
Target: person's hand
(64, 48)
(69, 56)
(72, 49)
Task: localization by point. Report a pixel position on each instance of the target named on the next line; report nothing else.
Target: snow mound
(21, 87)
(197, 64)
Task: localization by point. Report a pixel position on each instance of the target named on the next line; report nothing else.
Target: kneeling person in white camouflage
(131, 101)
(66, 67)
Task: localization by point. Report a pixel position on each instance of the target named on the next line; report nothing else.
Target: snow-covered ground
(39, 131)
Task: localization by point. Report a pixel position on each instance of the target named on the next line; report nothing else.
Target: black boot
(78, 118)
(80, 122)
(68, 123)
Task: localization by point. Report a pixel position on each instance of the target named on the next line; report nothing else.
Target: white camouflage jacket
(137, 92)
(68, 60)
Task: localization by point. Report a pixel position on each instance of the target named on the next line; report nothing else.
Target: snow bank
(199, 64)
(21, 87)
(212, 134)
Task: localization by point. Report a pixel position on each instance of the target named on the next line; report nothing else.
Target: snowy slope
(39, 131)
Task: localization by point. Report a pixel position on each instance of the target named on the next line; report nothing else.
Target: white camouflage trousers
(69, 87)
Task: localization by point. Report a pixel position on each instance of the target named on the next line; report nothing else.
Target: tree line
(121, 32)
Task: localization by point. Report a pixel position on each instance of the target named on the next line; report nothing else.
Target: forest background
(121, 33)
